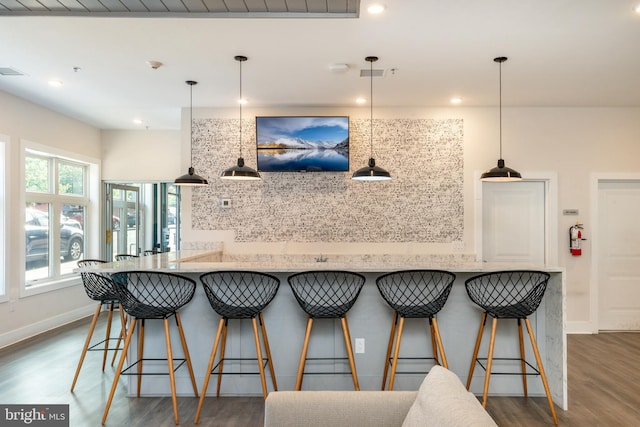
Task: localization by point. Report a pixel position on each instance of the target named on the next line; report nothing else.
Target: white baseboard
(17, 335)
(580, 327)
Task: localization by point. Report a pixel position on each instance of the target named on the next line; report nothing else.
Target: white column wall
(21, 120)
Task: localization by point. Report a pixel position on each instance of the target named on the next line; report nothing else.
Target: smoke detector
(154, 64)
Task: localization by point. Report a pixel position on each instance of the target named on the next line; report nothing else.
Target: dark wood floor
(604, 387)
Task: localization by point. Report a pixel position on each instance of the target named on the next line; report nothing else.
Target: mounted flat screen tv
(303, 144)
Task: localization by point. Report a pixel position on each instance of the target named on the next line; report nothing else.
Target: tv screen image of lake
(302, 144)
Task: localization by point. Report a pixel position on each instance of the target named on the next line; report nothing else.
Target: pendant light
(371, 172)
(501, 173)
(191, 179)
(241, 172)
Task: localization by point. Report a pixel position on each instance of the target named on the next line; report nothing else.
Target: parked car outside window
(37, 237)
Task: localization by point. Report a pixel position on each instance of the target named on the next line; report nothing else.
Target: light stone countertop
(201, 261)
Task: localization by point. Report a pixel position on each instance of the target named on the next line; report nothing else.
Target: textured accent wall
(422, 203)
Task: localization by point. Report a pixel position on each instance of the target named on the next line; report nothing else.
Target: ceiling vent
(8, 71)
(372, 73)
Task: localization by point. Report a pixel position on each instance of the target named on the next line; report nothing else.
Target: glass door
(122, 220)
(170, 220)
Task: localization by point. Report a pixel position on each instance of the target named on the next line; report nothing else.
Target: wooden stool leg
(303, 355)
(487, 375)
(172, 378)
(268, 351)
(392, 335)
(436, 331)
(263, 380)
(396, 353)
(140, 354)
(92, 327)
(541, 369)
(114, 385)
(123, 333)
(434, 344)
(523, 365)
(476, 349)
(223, 349)
(352, 362)
(187, 356)
(207, 376)
(107, 336)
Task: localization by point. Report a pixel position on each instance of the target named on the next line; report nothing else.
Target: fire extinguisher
(575, 239)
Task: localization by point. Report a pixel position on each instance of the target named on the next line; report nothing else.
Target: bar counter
(370, 318)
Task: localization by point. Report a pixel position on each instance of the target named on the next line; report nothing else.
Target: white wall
(21, 120)
(573, 142)
(139, 156)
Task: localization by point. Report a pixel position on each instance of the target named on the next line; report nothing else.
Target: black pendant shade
(240, 171)
(501, 173)
(191, 179)
(371, 172)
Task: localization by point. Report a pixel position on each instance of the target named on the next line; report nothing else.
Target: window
(56, 206)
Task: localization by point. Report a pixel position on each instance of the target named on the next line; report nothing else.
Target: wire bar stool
(238, 295)
(150, 295)
(326, 295)
(418, 294)
(509, 295)
(100, 289)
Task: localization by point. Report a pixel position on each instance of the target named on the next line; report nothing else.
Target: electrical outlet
(457, 246)
(359, 345)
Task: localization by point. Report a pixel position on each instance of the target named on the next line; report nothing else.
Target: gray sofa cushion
(337, 408)
(443, 401)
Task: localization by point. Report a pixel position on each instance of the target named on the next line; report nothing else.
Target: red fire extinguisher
(575, 239)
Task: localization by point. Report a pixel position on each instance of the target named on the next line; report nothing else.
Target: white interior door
(618, 256)
(513, 222)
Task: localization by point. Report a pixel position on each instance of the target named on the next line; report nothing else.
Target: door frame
(594, 285)
(550, 180)
(108, 249)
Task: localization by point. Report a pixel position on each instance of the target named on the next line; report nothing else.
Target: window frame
(90, 200)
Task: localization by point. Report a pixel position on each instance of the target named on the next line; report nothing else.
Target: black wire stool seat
(99, 289)
(239, 295)
(514, 294)
(418, 294)
(149, 295)
(125, 257)
(326, 294)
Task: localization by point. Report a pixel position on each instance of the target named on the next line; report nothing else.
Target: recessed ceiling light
(137, 121)
(637, 9)
(375, 8)
(360, 101)
(456, 100)
(55, 83)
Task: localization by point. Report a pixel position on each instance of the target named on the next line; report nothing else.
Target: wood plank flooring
(604, 387)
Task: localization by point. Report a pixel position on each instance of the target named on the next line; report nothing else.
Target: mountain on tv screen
(303, 144)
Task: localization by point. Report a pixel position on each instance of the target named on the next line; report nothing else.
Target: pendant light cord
(371, 108)
(191, 123)
(500, 92)
(240, 101)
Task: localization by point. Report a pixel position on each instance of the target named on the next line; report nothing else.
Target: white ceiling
(561, 53)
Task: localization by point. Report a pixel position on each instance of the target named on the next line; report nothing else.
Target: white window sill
(43, 286)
